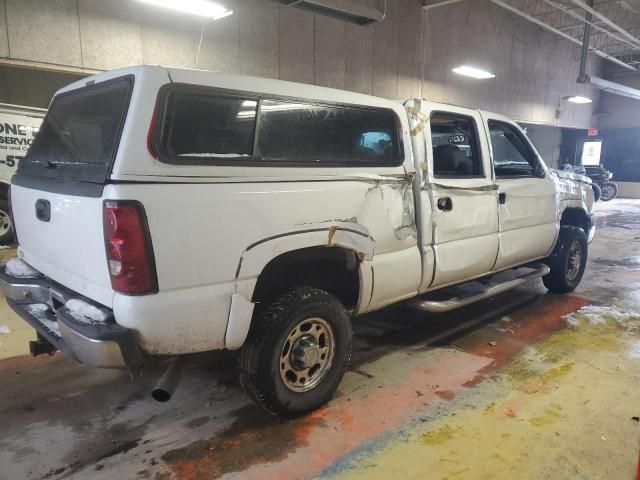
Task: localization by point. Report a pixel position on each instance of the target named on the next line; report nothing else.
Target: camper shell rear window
(80, 133)
(212, 126)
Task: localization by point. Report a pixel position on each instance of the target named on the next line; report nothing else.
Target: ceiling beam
(606, 20)
(428, 4)
(576, 15)
(546, 26)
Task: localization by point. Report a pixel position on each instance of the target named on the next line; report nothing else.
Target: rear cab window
(79, 136)
(456, 153)
(202, 125)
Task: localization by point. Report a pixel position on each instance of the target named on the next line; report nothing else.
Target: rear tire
(597, 193)
(568, 261)
(609, 191)
(6, 227)
(297, 351)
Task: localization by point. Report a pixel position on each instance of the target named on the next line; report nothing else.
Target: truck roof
(239, 82)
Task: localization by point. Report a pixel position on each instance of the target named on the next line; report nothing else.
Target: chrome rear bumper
(41, 303)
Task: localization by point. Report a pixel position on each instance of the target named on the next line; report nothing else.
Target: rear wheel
(297, 352)
(609, 191)
(568, 261)
(6, 231)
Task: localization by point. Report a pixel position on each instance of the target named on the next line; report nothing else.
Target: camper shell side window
(213, 126)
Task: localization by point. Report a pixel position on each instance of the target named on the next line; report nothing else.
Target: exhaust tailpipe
(169, 381)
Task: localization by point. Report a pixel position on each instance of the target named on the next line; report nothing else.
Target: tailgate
(56, 194)
(69, 247)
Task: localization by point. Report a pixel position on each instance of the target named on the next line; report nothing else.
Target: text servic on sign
(592, 132)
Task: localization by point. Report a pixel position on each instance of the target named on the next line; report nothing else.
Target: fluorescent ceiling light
(578, 99)
(473, 72)
(202, 8)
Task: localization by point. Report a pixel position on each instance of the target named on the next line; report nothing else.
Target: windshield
(79, 136)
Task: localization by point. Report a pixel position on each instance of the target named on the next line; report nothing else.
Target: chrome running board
(467, 293)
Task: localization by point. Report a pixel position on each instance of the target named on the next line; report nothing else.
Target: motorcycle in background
(603, 188)
(602, 178)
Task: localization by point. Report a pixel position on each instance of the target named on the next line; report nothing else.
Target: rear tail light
(128, 245)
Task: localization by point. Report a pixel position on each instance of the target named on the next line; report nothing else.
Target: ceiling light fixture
(473, 72)
(578, 99)
(201, 8)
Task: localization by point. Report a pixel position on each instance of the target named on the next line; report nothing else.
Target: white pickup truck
(163, 211)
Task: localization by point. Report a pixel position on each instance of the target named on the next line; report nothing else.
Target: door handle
(445, 204)
(502, 198)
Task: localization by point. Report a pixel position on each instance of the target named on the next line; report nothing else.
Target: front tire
(609, 191)
(597, 193)
(297, 352)
(568, 261)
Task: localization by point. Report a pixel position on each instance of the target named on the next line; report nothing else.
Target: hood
(566, 174)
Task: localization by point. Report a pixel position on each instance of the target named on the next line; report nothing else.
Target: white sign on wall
(591, 152)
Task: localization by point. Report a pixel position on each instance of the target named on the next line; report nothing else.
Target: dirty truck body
(190, 211)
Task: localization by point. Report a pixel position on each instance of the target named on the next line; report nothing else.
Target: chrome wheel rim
(574, 261)
(307, 354)
(5, 223)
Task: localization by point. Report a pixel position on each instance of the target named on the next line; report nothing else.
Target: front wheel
(609, 191)
(298, 349)
(568, 261)
(597, 193)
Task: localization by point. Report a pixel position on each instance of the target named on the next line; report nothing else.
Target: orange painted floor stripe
(319, 440)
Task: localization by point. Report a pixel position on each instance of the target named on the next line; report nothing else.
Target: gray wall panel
(359, 62)
(44, 31)
(621, 112)
(220, 50)
(385, 54)
(533, 68)
(111, 37)
(169, 39)
(409, 50)
(297, 45)
(4, 37)
(330, 54)
(259, 38)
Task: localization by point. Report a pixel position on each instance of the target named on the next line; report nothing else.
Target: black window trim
(478, 148)
(525, 140)
(256, 160)
(89, 87)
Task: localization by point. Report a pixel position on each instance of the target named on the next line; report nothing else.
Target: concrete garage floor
(509, 388)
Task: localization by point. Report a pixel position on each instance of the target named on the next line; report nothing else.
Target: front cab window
(512, 155)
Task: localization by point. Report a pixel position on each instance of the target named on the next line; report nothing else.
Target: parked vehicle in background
(18, 126)
(292, 207)
(602, 178)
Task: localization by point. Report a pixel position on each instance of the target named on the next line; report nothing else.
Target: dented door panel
(459, 215)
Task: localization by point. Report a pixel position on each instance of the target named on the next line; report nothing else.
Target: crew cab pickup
(162, 211)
